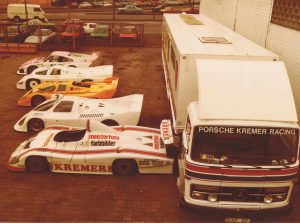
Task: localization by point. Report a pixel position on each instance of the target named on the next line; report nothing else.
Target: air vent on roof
(190, 20)
(219, 40)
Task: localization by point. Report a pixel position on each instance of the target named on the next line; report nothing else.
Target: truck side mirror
(174, 149)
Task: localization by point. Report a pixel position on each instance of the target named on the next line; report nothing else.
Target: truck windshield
(245, 145)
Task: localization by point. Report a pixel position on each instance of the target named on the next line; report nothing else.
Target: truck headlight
(212, 197)
(268, 199)
(275, 194)
(203, 192)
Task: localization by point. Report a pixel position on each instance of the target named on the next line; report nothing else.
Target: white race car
(63, 73)
(69, 59)
(97, 149)
(75, 111)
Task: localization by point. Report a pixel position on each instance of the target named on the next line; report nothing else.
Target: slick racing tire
(36, 100)
(30, 69)
(35, 125)
(36, 164)
(109, 122)
(31, 83)
(124, 167)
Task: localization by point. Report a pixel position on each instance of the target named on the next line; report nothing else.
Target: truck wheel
(17, 19)
(109, 122)
(30, 69)
(31, 83)
(124, 167)
(36, 100)
(36, 164)
(35, 125)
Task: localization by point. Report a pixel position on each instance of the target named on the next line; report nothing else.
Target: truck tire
(17, 19)
(124, 167)
(109, 122)
(36, 164)
(35, 125)
(31, 83)
(37, 100)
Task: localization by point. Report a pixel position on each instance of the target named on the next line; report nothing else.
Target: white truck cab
(16, 12)
(240, 142)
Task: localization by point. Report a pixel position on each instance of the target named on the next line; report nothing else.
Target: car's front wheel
(35, 125)
(31, 83)
(36, 164)
(37, 100)
(124, 167)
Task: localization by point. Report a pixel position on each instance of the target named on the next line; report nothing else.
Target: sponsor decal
(165, 130)
(112, 137)
(247, 130)
(102, 143)
(154, 162)
(48, 140)
(156, 142)
(80, 168)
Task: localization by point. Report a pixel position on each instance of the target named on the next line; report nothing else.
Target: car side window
(64, 106)
(62, 87)
(48, 89)
(55, 71)
(66, 59)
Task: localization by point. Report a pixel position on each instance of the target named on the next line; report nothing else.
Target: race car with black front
(75, 111)
(65, 58)
(63, 73)
(96, 149)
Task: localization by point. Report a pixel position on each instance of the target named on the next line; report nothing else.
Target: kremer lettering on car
(79, 167)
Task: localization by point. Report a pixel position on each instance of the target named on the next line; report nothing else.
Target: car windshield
(64, 106)
(245, 145)
(70, 135)
(45, 106)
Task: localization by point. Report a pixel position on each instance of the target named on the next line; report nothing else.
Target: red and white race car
(97, 149)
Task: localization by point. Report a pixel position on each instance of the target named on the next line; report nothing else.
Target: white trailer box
(190, 37)
(17, 12)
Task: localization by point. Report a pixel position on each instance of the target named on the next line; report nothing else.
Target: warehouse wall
(252, 19)
(220, 10)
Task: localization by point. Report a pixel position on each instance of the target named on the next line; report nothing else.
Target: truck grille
(239, 194)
